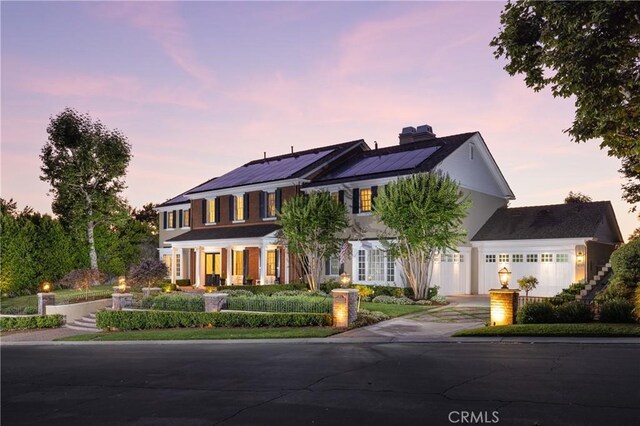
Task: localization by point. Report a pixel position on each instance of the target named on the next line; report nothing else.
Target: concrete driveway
(435, 324)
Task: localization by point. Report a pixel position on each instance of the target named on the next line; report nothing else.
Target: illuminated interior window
(170, 223)
(271, 262)
(185, 218)
(271, 204)
(365, 200)
(238, 262)
(211, 211)
(239, 207)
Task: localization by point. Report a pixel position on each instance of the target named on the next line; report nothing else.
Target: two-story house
(224, 230)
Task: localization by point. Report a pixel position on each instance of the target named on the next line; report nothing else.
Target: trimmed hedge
(379, 290)
(616, 311)
(573, 312)
(264, 303)
(262, 289)
(536, 313)
(141, 320)
(168, 302)
(39, 321)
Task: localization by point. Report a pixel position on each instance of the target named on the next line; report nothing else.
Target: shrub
(367, 318)
(169, 302)
(30, 310)
(40, 321)
(236, 293)
(393, 300)
(636, 310)
(264, 303)
(617, 310)
(379, 290)
(536, 313)
(286, 293)
(141, 320)
(573, 312)
(527, 284)
(625, 262)
(262, 289)
(365, 292)
(168, 287)
(149, 272)
(81, 278)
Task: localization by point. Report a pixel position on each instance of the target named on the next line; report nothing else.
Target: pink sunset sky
(200, 88)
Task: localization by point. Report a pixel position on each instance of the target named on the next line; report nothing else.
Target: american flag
(343, 252)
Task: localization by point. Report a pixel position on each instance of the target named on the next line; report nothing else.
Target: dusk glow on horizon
(200, 88)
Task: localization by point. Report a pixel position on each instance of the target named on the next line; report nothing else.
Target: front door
(212, 268)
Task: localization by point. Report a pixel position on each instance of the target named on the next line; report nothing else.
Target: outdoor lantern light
(504, 275)
(46, 287)
(122, 284)
(345, 280)
(580, 258)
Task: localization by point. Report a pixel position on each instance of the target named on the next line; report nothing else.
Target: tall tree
(588, 50)
(311, 224)
(577, 197)
(425, 213)
(85, 163)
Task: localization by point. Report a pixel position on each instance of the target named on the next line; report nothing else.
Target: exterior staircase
(596, 284)
(87, 324)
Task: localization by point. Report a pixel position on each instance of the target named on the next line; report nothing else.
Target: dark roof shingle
(227, 233)
(574, 220)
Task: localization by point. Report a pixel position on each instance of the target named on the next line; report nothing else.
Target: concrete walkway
(45, 335)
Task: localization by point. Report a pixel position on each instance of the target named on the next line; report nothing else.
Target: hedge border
(31, 322)
(142, 320)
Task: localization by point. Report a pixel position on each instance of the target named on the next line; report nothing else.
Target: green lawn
(394, 310)
(207, 334)
(8, 304)
(556, 330)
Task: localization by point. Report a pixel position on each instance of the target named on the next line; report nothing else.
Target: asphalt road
(321, 384)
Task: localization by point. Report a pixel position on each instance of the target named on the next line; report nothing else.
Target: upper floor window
(238, 203)
(365, 200)
(271, 204)
(211, 211)
(335, 196)
(186, 218)
(171, 220)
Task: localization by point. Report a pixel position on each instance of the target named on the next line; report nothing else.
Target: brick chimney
(419, 134)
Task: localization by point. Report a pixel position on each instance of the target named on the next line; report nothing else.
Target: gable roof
(395, 160)
(289, 166)
(573, 220)
(181, 198)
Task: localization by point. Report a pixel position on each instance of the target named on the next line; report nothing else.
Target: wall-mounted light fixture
(580, 258)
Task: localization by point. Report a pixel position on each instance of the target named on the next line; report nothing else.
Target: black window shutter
(277, 264)
(189, 224)
(174, 218)
(164, 225)
(356, 201)
(263, 212)
(204, 211)
(231, 213)
(327, 266)
(278, 199)
(216, 212)
(245, 264)
(180, 218)
(341, 197)
(246, 206)
(374, 194)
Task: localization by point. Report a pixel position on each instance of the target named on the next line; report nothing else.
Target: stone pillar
(120, 301)
(345, 306)
(44, 300)
(214, 302)
(504, 306)
(151, 291)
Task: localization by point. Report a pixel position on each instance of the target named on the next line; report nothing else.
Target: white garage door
(451, 273)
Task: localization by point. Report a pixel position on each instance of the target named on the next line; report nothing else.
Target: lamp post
(345, 280)
(122, 284)
(504, 274)
(46, 287)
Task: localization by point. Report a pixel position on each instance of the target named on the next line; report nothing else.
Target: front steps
(87, 324)
(596, 284)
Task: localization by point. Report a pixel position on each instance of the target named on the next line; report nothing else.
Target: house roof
(394, 160)
(289, 166)
(573, 220)
(182, 198)
(227, 233)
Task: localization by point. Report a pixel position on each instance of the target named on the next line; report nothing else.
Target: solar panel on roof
(264, 171)
(383, 163)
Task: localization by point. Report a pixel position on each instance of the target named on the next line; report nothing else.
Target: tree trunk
(93, 256)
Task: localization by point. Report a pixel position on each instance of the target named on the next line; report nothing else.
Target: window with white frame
(503, 258)
(185, 218)
(178, 266)
(238, 206)
(332, 266)
(365, 200)
(532, 258)
(211, 211)
(362, 276)
(517, 258)
(546, 257)
(490, 258)
(391, 268)
(562, 257)
(270, 202)
(375, 265)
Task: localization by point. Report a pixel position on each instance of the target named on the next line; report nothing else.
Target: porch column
(263, 264)
(229, 266)
(286, 266)
(173, 265)
(197, 277)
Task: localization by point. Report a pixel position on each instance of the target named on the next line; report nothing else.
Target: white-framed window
(517, 258)
(178, 265)
(238, 207)
(362, 274)
(166, 258)
(375, 265)
(365, 200)
(490, 258)
(270, 204)
(186, 217)
(271, 262)
(391, 268)
(211, 211)
(471, 151)
(562, 257)
(170, 218)
(332, 266)
(503, 258)
(532, 258)
(546, 257)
